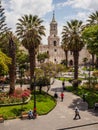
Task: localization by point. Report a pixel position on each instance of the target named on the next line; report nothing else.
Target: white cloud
(82, 16)
(68, 2)
(83, 4)
(86, 4)
(14, 9)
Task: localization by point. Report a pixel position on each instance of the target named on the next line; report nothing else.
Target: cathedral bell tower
(53, 40)
(53, 26)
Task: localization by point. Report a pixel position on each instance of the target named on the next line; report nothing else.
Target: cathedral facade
(54, 49)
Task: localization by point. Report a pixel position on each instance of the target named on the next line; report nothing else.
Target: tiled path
(60, 118)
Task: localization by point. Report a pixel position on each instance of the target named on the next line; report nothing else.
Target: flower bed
(19, 96)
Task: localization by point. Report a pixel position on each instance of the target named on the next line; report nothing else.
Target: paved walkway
(60, 118)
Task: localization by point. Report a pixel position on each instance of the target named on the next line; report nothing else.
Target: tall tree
(12, 66)
(3, 26)
(90, 34)
(75, 43)
(7, 45)
(93, 20)
(30, 30)
(65, 45)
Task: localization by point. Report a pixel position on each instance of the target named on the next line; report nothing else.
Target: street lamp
(89, 74)
(34, 109)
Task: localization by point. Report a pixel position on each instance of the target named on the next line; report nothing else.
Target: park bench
(1, 119)
(95, 106)
(24, 115)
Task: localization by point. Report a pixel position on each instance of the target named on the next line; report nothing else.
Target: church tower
(54, 49)
(53, 26)
(54, 42)
(53, 39)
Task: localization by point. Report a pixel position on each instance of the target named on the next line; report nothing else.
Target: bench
(24, 115)
(1, 119)
(95, 106)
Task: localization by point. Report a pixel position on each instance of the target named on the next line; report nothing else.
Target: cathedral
(53, 48)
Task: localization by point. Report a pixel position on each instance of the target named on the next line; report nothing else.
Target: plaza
(38, 61)
(61, 117)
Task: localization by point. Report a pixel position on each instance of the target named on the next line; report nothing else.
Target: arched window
(54, 43)
(55, 50)
(47, 52)
(55, 60)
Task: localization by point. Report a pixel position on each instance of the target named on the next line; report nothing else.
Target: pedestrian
(62, 96)
(55, 95)
(77, 113)
(63, 85)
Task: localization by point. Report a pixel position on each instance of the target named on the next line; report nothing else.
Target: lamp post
(34, 109)
(89, 75)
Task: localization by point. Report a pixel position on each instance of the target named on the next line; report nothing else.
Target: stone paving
(60, 118)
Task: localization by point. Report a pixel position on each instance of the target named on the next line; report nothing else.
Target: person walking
(55, 95)
(62, 96)
(63, 85)
(77, 113)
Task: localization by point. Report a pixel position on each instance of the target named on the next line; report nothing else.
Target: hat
(76, 108)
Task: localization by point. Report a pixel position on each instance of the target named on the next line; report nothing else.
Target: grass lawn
(44, 104)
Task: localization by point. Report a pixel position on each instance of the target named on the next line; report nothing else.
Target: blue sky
(65, 10)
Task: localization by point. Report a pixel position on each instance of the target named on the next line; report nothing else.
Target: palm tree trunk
(76, 58)
(32, 65)
(66, 55)
(12, 66)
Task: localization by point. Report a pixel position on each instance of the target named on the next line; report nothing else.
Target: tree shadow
(57, 89)
(83, 106)
(79, 103)
(93, 112)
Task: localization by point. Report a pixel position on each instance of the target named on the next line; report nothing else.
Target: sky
(65, 10)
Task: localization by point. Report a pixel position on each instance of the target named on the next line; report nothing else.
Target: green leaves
(4, 62)
(71, 35)
(42, 56)
(90, 34)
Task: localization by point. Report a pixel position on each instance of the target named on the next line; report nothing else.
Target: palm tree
(3, 27)
(12, 66)
(65, 45)
(75, 41)
(30, 30)
(93, 18)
